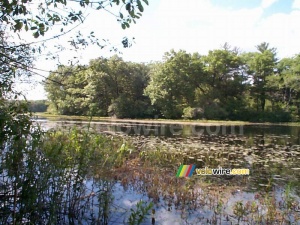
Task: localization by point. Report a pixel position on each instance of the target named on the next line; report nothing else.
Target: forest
(225, 84)
(84, 175)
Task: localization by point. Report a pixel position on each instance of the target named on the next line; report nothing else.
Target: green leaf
(146, 1)
(117, 1)
(128, 6)
(121, 16)
(123, 26)
(5, 19)
(36, 34)
(42, 26)
(18, 25)
(140, 6)
(131, 13)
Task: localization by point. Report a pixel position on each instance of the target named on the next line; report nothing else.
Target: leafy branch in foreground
(41, 17)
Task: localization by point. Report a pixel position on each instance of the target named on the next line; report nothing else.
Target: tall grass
(69, 176)
(58, 177)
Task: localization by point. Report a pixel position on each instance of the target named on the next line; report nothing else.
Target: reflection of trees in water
(50, 194)
(53, 185)
(213, 199)
(70, 185)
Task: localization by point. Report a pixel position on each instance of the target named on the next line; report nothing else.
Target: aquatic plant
(139, 214)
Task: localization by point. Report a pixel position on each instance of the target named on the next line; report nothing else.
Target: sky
(191, 25)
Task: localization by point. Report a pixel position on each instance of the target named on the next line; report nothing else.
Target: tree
(40, 17)
(22, 156)
(38, 106)
(105, 86)
(260, 65)
(285, 85)
(225, 84)
(173, 82)
(65, 90)
(14, 63)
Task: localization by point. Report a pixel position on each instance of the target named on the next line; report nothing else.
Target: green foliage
(187, 80)
(215, 111)
(222, 85)
(239, 210)
(39, 18)
(119, 108)
(260, 66)
(15, 62)
(44, 175)
(138, 216)
(192, 113)
(173, 82)
(284, 86)
(38, 106)
(105, 87)
(225, 84)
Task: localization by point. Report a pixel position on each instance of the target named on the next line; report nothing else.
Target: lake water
(270, 152)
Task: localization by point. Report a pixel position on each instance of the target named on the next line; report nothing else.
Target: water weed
(71, 177)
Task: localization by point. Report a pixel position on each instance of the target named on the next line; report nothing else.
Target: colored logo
(185, 170)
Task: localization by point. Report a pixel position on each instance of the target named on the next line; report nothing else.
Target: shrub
(215, 111)
(192, 113)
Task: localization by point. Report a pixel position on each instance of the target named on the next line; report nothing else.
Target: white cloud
(196, 26)
(199, 26)
(296, 4)
(267, 3)
(283, 32)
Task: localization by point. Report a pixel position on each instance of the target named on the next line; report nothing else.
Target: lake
(270, 152)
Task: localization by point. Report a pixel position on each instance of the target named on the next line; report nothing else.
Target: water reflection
(266, 149)
(181, 130)
(272, 153)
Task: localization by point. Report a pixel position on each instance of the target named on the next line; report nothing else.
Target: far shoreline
(162, 121)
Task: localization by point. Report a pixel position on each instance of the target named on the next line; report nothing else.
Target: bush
(124, 107)
(215, 111)
(38, 106)
(192, 113)
(267, 116)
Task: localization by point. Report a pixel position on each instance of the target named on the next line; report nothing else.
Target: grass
(43, 181)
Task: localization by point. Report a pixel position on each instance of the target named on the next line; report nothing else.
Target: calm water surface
(270, 152)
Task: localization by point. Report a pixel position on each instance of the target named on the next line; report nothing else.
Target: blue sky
(285, 5)
(280, 6)
(195, 26)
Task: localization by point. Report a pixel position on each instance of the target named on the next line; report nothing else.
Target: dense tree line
(104, 87)
(38, 105)
(224, 84)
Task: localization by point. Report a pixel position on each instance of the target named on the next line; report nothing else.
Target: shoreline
(161, 121)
